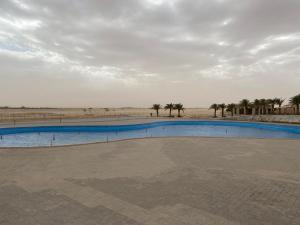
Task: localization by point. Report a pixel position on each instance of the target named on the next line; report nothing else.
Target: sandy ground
(69, 113)
(194, 181)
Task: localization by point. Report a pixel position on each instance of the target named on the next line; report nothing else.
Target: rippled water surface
(56, 136)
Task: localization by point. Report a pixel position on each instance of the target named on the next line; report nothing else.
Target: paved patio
(174, 181)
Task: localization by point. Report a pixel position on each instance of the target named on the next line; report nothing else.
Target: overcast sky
(138, 52)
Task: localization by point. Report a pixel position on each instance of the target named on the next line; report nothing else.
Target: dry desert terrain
(28, 114)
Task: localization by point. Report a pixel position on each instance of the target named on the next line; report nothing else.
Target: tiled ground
(193, 181)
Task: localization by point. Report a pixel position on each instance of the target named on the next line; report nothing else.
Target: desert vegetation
(259, 107)
(170, 107)
(156, 107)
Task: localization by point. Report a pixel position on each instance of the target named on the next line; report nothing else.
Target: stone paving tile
(248, 200)
(19, 207)
(174, 181)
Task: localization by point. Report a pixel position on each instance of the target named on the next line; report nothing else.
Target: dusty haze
(114, 53)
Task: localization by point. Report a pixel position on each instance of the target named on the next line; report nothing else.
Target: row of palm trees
(257, 107)
(295, 101)
(170, 107)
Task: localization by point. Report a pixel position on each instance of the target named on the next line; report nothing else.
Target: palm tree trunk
(222, 112)
(297, 109)
(232, 112)
(245, 111)
(215, 113)
(178, 112)
(157, 113)
(279, 110)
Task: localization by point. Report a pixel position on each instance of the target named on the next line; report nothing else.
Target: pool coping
(56, 147)
(141, 121)
(146, 123)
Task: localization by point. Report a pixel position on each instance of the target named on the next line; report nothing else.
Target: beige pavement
(194, 181)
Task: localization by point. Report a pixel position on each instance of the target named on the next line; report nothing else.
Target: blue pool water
(67, 135)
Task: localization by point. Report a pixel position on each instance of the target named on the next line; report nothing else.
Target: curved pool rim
(140, 126)
(291, 130)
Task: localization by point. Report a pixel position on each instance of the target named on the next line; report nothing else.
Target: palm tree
(252, 107)
(244, 103)
(296, 102)
(156, 107)
(214, 107)
(279, 102)
(222, 107)
(170, 107)
(230, 108)
(256, 105)
(179, 108)
(262, 103)
(270, 102)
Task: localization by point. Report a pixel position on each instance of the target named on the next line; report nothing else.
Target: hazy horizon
(116, 53)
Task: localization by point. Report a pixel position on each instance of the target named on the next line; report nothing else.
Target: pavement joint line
(93, 198)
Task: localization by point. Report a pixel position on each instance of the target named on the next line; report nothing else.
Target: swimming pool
(68, 135)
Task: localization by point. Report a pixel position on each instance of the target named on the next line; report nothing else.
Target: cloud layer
(138, 52)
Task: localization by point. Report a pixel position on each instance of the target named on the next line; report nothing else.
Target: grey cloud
(108, 45)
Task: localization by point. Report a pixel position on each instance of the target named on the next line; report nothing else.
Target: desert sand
(27, 114)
